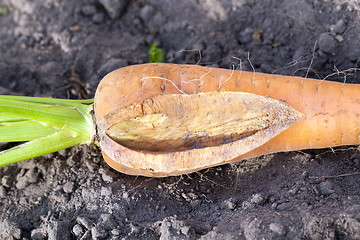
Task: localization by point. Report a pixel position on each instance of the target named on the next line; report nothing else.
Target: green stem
(48, 124)
(25, 130)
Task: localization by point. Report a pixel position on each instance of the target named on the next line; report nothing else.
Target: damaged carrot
(165, 119)
(313, 114)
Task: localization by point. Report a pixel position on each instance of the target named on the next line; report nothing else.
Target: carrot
(165, 119)
(318, 114)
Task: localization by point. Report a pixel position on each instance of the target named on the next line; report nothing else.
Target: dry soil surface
(73, 194)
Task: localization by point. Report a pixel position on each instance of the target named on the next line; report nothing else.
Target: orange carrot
(318, 114)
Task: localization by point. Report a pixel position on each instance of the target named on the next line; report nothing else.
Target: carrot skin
(332, 109)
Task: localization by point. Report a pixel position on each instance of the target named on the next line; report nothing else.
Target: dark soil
(73, 194)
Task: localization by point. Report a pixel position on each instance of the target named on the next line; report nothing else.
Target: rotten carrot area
(177, 122)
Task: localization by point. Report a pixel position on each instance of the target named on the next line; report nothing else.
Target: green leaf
(38, 147)
(49, 124)
(10, 117)
(66, 116)
(23, 131)
(156, 54)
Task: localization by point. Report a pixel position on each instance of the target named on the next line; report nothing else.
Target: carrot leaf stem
(26, 130)
(48, 124)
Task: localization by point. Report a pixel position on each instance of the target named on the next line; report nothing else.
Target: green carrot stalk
(46, 124)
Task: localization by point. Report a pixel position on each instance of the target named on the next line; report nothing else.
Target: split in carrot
(166, 119)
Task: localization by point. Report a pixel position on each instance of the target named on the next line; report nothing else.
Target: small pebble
(98, 232)
(114, 7)
(339, 38)
(339, 27)
(55, 230)
(86, 222)
(6, 181)
(38, 234)
(230, 204)
(247, 204)
(326, 188)
(274, 206)
(31, 165)
(171, 228)
(98, 18)
(115, 232)
(185, 230)
(23, 201)
(134, 229)
(105, 176)
(257, 199)
(147, 12)
(338, 8)
(189, 196)
(316, 190)
(91, 166)
(278, 228)
(106, 191)
(61, 152)
(284, 206)
(108, 221)
(68, 187)
(78, 230)
(304, 175)
(23, 181)
(327, 43)
(2, 192)
(294, 190)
